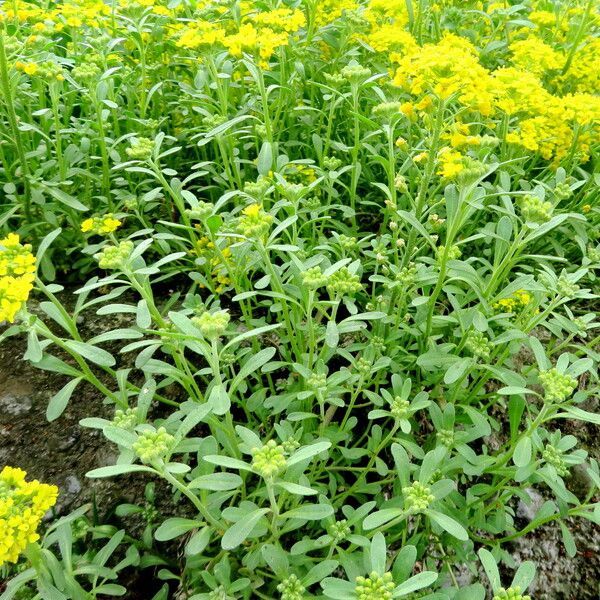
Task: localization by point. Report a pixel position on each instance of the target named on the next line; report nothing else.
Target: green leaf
(309, 512)
(307, 452)
(92, 353)
(522, 453)
(417, 582)
(581, 415)
(568, 540)
(240, 530)
(265, 159)
(216, 482)
(447, 523)
(174, 527)
(227, 461)
(294, 488)
(319, 572)
(490, 567)
(456, 370)
(117, 470)
(59, 401)
(378, 553)
(524, 575)
(332, 336)
(381, 517)
(218, 399)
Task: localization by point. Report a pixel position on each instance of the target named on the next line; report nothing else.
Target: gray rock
(15, 405)
(528, 510)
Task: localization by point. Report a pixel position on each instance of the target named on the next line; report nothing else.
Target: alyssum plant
(315, 421)
(345, 259)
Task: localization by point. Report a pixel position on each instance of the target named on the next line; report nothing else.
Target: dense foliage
(353, 250)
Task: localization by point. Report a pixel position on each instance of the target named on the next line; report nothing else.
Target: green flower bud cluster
(562, 191)
(446, 437)
(153, 444)
(254, 222)
(311, 203)
(377, 343)
(535, 210)
(417, 497)
(11, 44)
(131, 203)
(334, 79)
(436, 221)
(201, 212)
(375, 587)
(355, 73)
(557, 387)
(566, 288)
(348, 242)
(290, 445)
(363, 366)
(293, 191)
(313, 278)
(399, 408)
(454, 252)
(113, 258)
(407, 275)
(317, 381)
(473, 170)
(478, 344)
(387, 109)
(257, 189)
(212, 121)
(343, 282)
(227, 358)
(400, 184)
(340, 530)
(126, 419)
(140, 149)
(553, 456)
(212, 325)
(261, 130)
(510, 594)
(49, 71)
(268, 460)
(86, 71)
(488, 141)
(594, 254)
(291, 588)
(331, 163)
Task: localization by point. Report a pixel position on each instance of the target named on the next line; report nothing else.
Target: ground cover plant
(346, 253)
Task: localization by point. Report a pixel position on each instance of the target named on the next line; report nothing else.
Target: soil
(62, 452)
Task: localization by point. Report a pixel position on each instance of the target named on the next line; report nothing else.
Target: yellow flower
(22, 506)
(450, 163)
(15, 258)
(101, 225)
(252, 210)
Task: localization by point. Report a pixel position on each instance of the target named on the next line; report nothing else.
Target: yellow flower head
(22, 506)
(101, 225)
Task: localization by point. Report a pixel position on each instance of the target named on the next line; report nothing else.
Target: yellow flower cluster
(535, 56)
(451, 163)
(101, 225)
(73, 13)
(260, 32)
(448, 68)
(541, 121)
(22, 506)
(17, 269)
(217, 262)
(518, 301)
